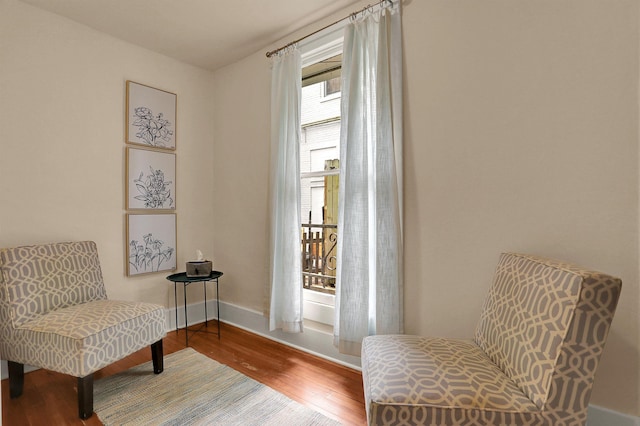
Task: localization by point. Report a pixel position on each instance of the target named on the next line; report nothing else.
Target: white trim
(320, 173)
(600, 416)
(4, 370)
(320, 344)
(319, 307)
(319, 297)
(322, 46)
(315, 341)
(330, 97)
(328, 42)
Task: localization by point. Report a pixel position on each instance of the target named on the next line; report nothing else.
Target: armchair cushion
(81, 339)
(59, 275)
(412, 377)
(526, 317)
(532, 361)
(54, 314)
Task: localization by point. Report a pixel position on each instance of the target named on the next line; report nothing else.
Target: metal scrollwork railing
(319, 257)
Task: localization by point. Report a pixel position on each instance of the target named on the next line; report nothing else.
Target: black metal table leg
(218, 306)
(181, 277)
(175, 302)
(206, 318)
(186, 323)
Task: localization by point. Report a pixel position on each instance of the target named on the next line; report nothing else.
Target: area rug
(195, 390)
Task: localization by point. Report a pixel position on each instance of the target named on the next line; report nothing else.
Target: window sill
(319, 307)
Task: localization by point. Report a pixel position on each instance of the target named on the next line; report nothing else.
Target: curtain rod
(368, 7)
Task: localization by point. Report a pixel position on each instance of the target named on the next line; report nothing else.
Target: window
(319, 170)
(332, 86)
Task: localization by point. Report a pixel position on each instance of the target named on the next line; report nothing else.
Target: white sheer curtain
(369, 277)
(286, 275)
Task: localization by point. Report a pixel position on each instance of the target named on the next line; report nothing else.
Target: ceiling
(206, 33)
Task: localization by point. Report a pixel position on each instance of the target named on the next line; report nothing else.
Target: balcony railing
(319, 257)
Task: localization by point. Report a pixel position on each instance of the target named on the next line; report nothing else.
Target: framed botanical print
(151, 243)
(150, 116)
(150, 179)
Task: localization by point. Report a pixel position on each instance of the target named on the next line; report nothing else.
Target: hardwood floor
(336, 391)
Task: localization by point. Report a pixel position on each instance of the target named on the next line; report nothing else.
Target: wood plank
(332, 389)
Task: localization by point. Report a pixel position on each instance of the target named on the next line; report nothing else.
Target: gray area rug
(195, 390)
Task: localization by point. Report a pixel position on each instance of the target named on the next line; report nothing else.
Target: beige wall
(240, 179)
(521, 134)
(62, 141)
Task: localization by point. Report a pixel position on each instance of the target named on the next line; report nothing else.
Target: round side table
(182, 278)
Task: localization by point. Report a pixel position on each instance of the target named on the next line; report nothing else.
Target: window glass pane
(319, 152)
(332, 86)
(322, 71)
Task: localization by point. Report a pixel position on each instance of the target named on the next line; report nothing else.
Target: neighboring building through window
(319, 175)
(332, 86)
(319, 167)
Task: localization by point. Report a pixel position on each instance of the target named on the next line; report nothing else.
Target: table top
(181, 277)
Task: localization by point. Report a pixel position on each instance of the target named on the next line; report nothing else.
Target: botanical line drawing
(153, 130)
(154, 191)
(148, 257)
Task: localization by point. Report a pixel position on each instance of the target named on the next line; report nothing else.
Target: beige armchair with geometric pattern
(532, 360)
(54, 314)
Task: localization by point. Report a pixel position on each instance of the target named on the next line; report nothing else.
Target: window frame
(319, 307)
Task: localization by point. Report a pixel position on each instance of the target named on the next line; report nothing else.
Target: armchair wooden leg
(16, 378)
(157, 356)
(85, 396)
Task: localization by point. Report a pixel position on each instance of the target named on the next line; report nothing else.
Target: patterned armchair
(532, 361)
(54, 314)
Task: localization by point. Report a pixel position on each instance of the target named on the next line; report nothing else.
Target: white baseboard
(321, 344)
(314, 340)
(317, 342)
(4, 370)
(600, 416)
